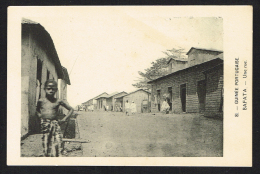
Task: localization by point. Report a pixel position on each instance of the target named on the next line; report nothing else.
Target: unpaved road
(146, 135)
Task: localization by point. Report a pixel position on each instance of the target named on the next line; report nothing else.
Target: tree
(158, 69)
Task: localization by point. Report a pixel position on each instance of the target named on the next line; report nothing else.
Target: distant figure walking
(133, 107)
(127, 108)
(165, 107)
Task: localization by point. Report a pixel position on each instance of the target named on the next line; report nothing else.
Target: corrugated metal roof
(121, 94)
(213, 50)
(134, 92)
(217, 59)
(99, 95)
(28, 21)
(177, 59)
(219, 56)
(44, 37)
(112, 94)
(66, 75)
(102, 96)
(96, 97)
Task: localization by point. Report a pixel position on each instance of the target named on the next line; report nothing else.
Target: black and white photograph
(127, 81)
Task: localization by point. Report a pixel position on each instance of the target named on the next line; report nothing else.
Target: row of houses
(39, 62)
(116, 101)
(193, 85)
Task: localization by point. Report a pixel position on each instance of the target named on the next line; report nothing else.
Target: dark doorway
(159, 99)
(39, 79)
(144, 106)
(221, 101)
(169, 100)
(36, 120)
(201, 90)
(183, 97)
(121, 106)
(48, 74)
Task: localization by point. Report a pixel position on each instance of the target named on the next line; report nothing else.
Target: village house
(198, 87)
(175, 64)
(106, 102)
(93, 101)
(101, 102)
(110, 100)
(39, 62)
(118, 101)
(140, 97)
(86, 104)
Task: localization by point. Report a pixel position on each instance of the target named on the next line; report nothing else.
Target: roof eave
(149, 82)
(134, 92)
(49, 44)
(176, 60)
(203, 49)
(66, 75)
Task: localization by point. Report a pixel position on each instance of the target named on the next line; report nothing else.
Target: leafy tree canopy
(158, 69)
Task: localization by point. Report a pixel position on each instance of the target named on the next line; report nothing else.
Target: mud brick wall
(199, 56)
(109, 103)
(214, 90)
(33, 51)
(138, 97)
(101, 102)
(191, 77)
(114, 102)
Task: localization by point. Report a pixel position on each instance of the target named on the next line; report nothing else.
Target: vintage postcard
(130, 85)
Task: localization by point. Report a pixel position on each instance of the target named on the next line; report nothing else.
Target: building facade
(109, 101)
(101, 102)
(140, 97)
(118, 101)
(89, 103)
(39, 63)
(175, 64)
(197, 88)
(94, 101)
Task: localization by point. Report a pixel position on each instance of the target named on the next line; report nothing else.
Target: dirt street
(146, 135)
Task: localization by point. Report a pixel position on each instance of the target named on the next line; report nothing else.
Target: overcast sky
(110, 45)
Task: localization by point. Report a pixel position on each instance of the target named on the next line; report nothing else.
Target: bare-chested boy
(47, 110)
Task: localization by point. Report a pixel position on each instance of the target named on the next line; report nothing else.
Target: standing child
(47, 110)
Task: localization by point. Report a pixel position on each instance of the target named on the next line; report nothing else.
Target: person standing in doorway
(165, 106)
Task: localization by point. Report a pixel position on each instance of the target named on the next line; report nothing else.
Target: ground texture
(150, 135)
(113, 134)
